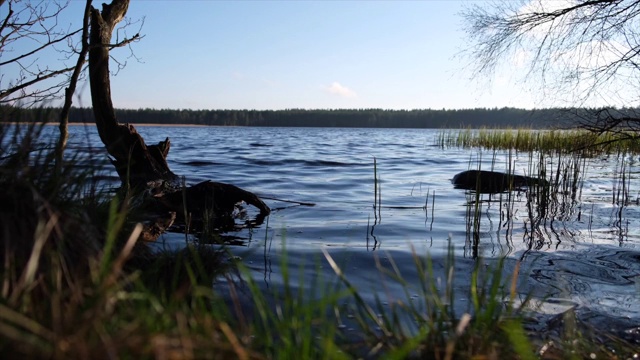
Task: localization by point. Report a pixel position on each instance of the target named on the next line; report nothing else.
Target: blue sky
(301, 54)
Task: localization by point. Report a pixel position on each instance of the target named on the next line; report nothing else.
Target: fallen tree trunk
(142, 168)
(492, 182)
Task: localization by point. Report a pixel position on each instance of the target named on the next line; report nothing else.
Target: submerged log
(211, 202)
(142, 168)
(490, 182)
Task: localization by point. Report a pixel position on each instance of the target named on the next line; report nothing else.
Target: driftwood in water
(217, 200)
(493, 182)
(143, 168)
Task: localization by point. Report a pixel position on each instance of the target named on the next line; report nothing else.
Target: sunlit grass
(563, 141)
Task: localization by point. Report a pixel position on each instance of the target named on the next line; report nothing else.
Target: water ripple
(593, 261)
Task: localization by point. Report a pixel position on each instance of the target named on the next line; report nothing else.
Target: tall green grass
(564, 141)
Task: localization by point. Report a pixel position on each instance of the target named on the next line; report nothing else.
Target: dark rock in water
(492, 181)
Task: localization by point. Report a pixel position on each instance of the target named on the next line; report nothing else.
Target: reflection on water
(582, 245)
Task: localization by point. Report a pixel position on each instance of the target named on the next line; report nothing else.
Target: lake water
(586, 256)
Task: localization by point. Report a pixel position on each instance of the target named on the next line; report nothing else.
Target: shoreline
(94, 124)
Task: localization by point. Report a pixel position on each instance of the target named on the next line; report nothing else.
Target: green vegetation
(76, 283)
(528, 140)
(362, 118)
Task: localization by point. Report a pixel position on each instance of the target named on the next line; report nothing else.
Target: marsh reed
(528, 140)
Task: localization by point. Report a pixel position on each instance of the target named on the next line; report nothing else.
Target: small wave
(199, 163)
(443, 160)
(325, 163)
(310, 163)
(586, 270)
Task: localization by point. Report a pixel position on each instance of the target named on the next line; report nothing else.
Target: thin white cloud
(337, 89)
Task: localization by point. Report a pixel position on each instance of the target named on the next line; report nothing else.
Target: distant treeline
(428, 118)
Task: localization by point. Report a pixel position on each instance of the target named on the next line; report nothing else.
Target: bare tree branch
(33, 26)
(587, 49)
(9, 91)
(33, 76)
(44, 46)
(68, 95)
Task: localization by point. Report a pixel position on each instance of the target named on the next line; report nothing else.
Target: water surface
(586, 255)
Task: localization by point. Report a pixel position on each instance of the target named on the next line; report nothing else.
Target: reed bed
(563, 141)
(560, 158)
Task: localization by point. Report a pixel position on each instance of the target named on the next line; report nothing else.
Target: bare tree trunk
(144, 168)
(136, 163)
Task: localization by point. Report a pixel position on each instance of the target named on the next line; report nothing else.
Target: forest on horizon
(365, 118)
